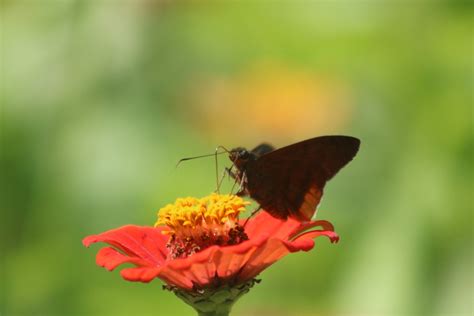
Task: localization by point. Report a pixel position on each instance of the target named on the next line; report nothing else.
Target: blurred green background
(101, 98)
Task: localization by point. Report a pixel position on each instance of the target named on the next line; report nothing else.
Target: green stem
(220, 310)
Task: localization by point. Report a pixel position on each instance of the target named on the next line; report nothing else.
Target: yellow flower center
(195, 224)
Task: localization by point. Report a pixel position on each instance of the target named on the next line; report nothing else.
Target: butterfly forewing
(290, 181)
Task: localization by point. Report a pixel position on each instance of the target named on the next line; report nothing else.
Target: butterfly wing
(290, 181)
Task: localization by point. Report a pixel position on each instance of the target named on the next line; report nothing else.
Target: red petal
(263, 257)
(110, 258)
(276, 248)
(178, 278)
(141, 274)
(316, 233)
(147, 243)
(202, 267)
(264, 223)
(306, 226)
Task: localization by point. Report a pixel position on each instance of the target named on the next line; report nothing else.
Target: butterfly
(289, 182)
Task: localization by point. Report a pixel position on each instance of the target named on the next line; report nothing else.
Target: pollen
(195, 224)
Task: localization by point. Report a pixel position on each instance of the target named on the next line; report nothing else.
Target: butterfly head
(240, 156)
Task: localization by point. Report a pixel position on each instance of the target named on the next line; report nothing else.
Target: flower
(200, 244)
(152, 249)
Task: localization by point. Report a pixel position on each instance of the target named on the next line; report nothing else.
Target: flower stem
(221, 310)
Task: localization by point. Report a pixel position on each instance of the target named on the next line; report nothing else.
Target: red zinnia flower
(204, 246)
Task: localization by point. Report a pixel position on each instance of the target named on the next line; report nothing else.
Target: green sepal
(213, 301)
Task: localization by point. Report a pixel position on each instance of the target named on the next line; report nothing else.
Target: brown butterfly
(289, 182)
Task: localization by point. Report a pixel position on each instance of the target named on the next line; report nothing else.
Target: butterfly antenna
(195, 157)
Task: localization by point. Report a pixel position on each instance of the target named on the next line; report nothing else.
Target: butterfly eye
(243, 154)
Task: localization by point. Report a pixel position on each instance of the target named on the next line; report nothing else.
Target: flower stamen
(195, 224)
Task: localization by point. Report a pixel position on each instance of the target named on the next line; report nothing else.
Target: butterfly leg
(242, 185)
(230, 173)
(234, 176)
(219, 182)
(252, 214)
